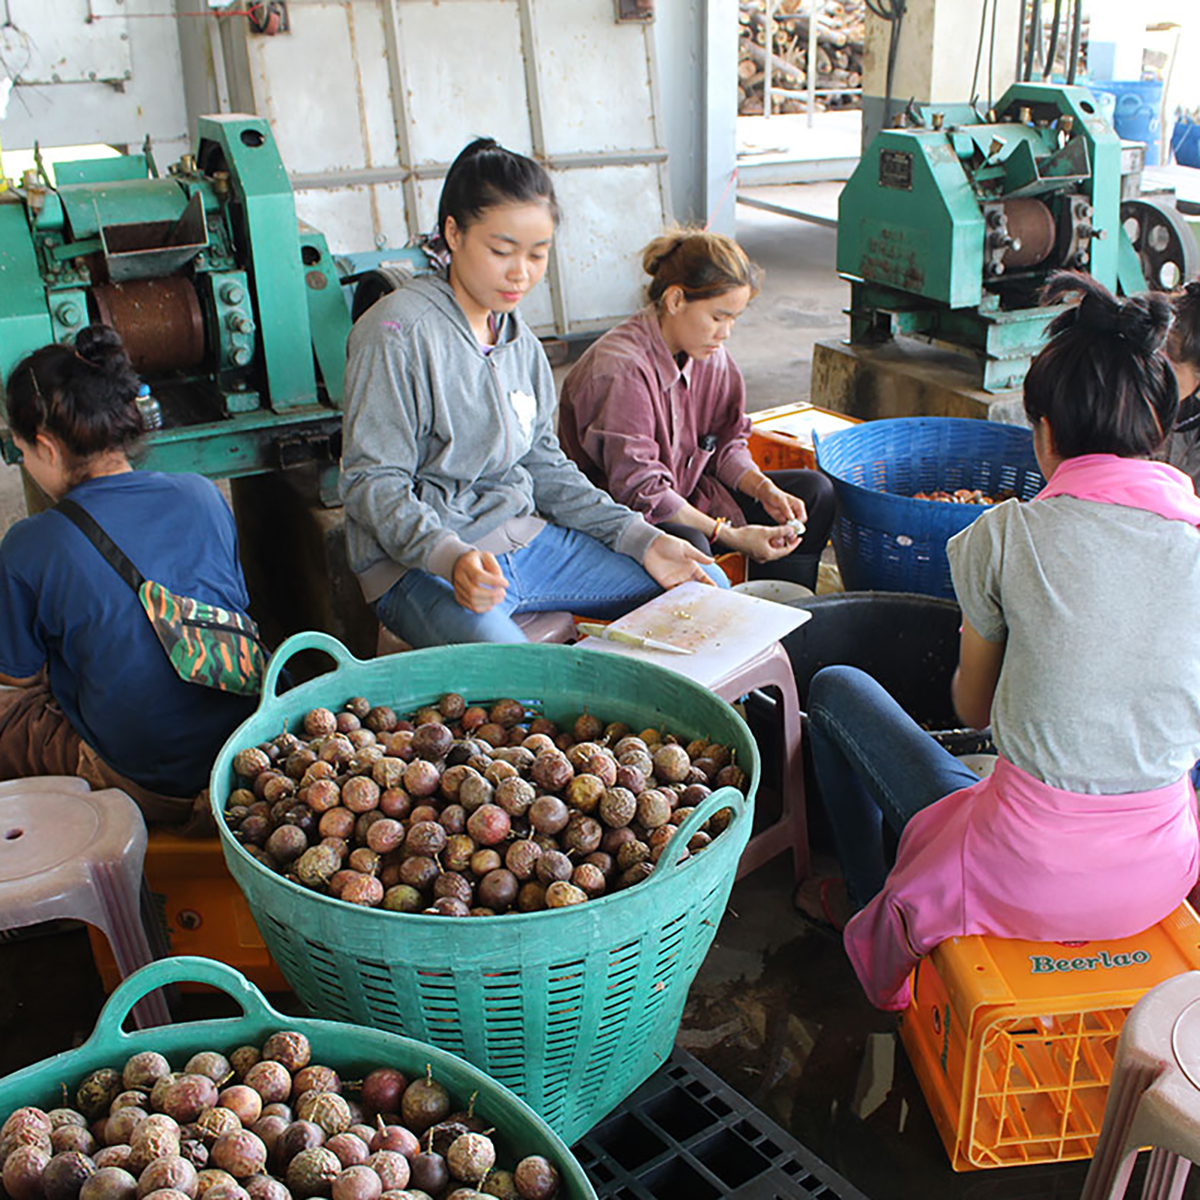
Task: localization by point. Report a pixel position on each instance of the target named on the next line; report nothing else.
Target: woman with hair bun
(1079, 647)
(91, 691)
(655, 412)
(462, 510)
(1183, 349)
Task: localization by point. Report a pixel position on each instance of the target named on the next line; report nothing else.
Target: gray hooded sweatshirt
(447, 448)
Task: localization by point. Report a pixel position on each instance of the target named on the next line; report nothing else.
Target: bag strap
(109, 550)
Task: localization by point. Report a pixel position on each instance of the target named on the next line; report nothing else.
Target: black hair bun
(101, 346)
(1141, 321)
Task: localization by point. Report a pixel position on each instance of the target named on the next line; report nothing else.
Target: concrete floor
(775, 1009)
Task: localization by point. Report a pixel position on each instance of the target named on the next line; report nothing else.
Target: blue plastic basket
(884, 539)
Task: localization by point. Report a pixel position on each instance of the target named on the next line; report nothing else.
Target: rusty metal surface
(159, 321)
(1031, 226)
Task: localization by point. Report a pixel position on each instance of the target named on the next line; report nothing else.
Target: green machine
(948, 228)
(231, 311)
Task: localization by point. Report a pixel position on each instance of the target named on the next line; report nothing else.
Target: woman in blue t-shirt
(91, 691)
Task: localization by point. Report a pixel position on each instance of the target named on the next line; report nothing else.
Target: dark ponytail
(1102, 381)
(83, 396)
(484, 175)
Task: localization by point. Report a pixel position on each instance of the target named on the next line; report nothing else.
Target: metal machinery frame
(948, 229)
(212, 284)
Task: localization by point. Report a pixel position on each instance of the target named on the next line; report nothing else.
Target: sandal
(824, 901)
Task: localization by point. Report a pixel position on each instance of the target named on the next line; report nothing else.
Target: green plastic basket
(571, 1009)
(350, 1051)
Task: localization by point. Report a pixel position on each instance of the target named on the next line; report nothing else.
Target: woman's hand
(763, 543)
(779, 504)
(671, 561)
(479, 584)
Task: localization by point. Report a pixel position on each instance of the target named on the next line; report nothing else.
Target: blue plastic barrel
(1135, 114)
(1185, 143)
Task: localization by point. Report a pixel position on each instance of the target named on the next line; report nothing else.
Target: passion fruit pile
(470, 810)
(263, 1123)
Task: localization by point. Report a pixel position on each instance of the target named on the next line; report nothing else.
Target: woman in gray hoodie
(462, 509)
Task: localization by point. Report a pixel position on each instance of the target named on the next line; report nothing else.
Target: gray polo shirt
(1099, 606)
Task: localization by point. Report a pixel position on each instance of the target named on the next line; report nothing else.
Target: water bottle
(149, 409)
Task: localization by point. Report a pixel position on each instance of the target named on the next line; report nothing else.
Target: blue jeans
(874, 763)
(560, 569)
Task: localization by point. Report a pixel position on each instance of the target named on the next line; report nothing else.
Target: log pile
(840, 31)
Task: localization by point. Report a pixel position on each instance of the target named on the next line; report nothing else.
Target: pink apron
(1012, 856)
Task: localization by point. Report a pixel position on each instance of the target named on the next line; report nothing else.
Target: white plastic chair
(1154, 1096)
(773, 668)
(66, 851)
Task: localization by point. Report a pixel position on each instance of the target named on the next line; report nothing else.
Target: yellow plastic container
(201, 910)
(1013, 1041)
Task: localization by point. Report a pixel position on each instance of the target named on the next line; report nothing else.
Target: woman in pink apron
(1080, 647)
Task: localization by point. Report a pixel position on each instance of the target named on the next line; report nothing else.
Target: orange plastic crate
(781, 437)
(201, 909)
(1013, 1041)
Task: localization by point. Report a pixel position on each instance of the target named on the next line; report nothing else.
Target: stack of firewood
(840, 28)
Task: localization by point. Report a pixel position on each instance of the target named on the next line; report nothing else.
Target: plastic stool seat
(1154, 1099)
(773, 668)
(540, 627)
(66, 851)
(545, 627)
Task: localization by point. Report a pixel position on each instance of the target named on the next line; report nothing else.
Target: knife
(608, 633)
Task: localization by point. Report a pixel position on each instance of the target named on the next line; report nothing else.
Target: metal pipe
(1076, 34)
(769, 64)
(1021, 38)
(811, 80)
(1033, 59)
(992, 53)
(1048, 69)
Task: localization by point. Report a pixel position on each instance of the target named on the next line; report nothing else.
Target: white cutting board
(724, 629)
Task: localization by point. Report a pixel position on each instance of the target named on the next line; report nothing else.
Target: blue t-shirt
(61, 603)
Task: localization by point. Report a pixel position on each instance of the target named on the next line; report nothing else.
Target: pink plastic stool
(538, 627)
(1154, 1096)
(66, 851)
(773, 668)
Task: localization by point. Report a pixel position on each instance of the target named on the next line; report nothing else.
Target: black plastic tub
(908, 642)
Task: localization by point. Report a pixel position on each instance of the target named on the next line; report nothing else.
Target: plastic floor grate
(685, 1132)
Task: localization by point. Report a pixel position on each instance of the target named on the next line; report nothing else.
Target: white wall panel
(610, 213)
(307, 84)
(463, 70)
(595, 79)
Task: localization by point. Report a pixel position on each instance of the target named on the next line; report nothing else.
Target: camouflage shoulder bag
(207, 645)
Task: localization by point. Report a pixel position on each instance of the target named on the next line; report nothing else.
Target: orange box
(781, 437)
(201, 910)
(1013, 1041)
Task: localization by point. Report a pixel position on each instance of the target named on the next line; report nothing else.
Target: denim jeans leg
(564, 569)
(421, 608)
(874, 764)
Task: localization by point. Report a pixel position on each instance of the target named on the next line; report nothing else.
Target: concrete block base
(904, 378)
